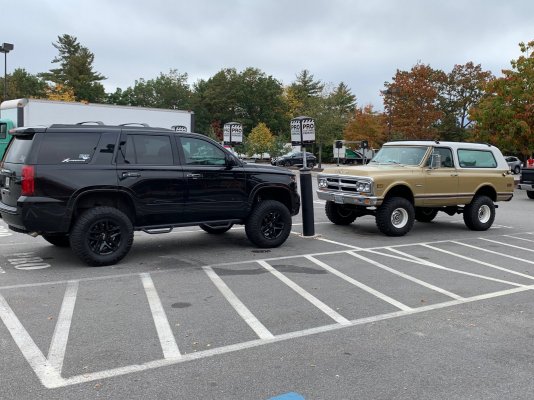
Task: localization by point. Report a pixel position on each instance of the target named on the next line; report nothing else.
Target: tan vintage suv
(413, 180)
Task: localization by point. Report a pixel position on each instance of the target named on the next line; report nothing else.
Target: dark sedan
(295, 158)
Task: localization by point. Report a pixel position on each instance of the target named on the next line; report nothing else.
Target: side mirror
(435, 161)
(231, 162)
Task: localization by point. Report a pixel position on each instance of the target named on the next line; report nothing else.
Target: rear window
(18, 149)
(68, 148)
(476, 159)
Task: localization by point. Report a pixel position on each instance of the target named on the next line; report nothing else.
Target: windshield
(405, 155)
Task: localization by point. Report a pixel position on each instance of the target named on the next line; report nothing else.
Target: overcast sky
(361, 43)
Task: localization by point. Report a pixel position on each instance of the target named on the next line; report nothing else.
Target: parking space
(172, 302)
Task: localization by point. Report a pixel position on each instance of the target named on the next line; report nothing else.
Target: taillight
(28, 180)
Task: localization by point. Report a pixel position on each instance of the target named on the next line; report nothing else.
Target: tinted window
(201, 152)
(18, 149)
(476, 159)
(68, 148)
(3, 130)
(148, 150)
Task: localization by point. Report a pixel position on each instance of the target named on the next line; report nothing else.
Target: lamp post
(5, 48)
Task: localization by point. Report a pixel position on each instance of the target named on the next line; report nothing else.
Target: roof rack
(90, 122)
(135, 123)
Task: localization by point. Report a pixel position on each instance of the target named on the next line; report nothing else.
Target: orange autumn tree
(366, 124)
(411, 103)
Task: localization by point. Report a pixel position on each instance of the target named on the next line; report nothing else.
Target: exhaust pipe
(33, 234)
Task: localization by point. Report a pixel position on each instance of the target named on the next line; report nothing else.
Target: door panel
(146, 170)
(214, 191)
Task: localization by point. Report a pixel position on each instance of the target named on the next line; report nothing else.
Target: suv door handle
(130, 174)
(194, 176)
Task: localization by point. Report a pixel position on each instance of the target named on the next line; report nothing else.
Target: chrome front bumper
(349, 198)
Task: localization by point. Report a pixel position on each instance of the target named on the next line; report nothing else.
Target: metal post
(5, 75)
(306, 191)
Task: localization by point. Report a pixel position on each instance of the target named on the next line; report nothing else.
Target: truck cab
(5, 126)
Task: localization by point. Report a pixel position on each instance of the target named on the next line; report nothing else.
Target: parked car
(295, 158)
(90, 187)
(514, 163)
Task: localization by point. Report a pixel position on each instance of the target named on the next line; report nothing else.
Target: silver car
(514, 163)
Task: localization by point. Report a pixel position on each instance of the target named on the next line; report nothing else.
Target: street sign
(302, 131)
(233, 133)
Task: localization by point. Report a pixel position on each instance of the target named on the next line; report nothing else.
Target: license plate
(338, 199)
(7, 182)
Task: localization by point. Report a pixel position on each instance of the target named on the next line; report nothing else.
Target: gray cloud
(361, 43)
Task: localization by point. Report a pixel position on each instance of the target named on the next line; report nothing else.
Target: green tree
(462, 90)
(505, 115)
(166, 91)
(22, 84)
(259, 141)
(248, 97)
(75, 70)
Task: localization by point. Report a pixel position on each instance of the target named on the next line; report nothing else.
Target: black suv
(92, 186)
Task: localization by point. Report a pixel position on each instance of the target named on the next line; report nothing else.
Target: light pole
(5, 48)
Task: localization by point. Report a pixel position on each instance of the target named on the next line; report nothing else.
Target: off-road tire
(530, 194)
(58, 240)
(215, 229)
(339, 214)
(395, 217)
(269, 224)
(425, 214)
(479, 214)
(101, 236)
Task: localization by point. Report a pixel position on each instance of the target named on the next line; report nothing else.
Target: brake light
(28, 180)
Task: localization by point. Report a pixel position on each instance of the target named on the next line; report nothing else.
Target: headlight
(363, 187)
(323, 183)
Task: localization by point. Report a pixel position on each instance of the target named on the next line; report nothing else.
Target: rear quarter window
(68, 148)
(476, 159)
(18, 149)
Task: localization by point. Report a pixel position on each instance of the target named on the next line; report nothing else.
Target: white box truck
(36, 112)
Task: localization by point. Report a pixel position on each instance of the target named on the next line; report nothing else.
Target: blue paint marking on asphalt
(288, 396)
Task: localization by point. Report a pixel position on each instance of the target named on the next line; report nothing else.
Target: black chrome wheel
(104, 237)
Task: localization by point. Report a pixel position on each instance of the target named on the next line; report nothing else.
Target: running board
(157, 231)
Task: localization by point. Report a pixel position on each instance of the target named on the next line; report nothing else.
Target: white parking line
(406, 276)
(262, 332)
(507, 244)
(307, 295)
(291, 335)
(360, 285)
(47, 374)
(437, 266)
(492, 252)
(166, 337)
(479, 262)
(56, 352)
(519, 238)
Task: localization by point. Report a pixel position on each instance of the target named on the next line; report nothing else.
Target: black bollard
(306, 192)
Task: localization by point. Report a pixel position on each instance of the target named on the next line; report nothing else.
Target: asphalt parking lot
(442, 313)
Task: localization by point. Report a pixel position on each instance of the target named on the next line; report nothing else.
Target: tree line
(464, 104)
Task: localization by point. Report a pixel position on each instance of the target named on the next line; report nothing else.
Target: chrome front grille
(342, 184)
